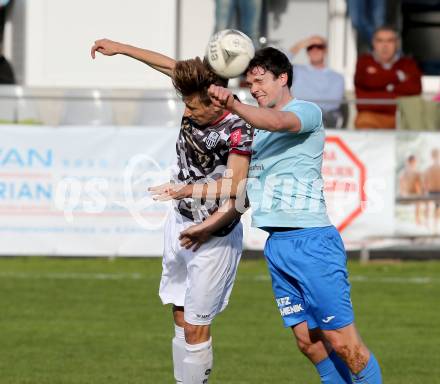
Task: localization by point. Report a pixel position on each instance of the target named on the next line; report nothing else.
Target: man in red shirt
(384, 74)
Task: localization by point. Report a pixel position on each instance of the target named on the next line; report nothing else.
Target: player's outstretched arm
(231, 185)
(196, 235)
(267, 119)
(154, 59)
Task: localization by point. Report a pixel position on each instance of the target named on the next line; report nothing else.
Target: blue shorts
(309, 275)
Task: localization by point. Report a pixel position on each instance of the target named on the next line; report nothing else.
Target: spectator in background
(411, 184)
(6, 72)
(244, 15)
(366, 16)
(318, 83)
(384, 74)
(432, 185)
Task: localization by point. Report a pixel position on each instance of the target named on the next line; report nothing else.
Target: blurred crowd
(384, 76)
(385, 80)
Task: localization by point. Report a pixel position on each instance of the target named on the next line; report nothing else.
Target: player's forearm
(267, 119)
(224, 188)
(155, 60)
(231, 186)
(222, 218)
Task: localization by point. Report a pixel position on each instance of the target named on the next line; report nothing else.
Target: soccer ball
(229, 52)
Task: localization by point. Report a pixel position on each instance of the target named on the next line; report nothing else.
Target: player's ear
(283, 77)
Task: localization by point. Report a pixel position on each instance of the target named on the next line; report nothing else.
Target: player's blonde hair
(193, 77)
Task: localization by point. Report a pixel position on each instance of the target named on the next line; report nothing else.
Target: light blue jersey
(285, 186)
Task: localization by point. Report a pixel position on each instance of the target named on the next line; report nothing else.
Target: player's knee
(341, 348)
(355, 355)
(307, 347)
(195, 334)
(190, 331)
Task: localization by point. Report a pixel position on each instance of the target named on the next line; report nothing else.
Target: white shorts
(200, 281)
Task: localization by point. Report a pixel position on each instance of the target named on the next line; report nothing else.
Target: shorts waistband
(300, 232)
(280, 229)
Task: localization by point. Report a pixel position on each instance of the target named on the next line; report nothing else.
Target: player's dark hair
(272, 60)
(193, 77)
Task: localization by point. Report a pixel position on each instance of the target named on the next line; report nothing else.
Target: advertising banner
(82, 190)
(418, 184)
(358, 171)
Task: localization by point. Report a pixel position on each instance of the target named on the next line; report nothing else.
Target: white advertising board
(82, 190)
(358, 172)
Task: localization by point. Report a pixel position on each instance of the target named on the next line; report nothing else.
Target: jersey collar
(222, 117)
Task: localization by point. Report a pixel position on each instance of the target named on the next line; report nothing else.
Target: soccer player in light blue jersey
(304, 252)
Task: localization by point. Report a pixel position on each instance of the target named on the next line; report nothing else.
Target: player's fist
(221, 97)
(106, 47)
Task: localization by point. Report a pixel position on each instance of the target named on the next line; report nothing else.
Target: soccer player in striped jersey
(203, 237)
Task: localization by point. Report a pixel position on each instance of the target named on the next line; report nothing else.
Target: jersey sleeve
(240, 138)
(309, 114)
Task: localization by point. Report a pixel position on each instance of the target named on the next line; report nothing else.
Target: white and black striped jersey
(202, 154)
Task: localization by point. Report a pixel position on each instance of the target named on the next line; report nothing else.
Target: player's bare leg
(179, 352)
(196, 334)
(197, 364)
(347, 343)
(312, 343)
(192, 350)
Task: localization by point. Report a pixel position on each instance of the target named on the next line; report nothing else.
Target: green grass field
(100, 321)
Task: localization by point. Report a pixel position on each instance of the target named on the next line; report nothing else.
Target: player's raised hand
(194, 236)
(170, 191)
(106, 47)
(220, 96)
